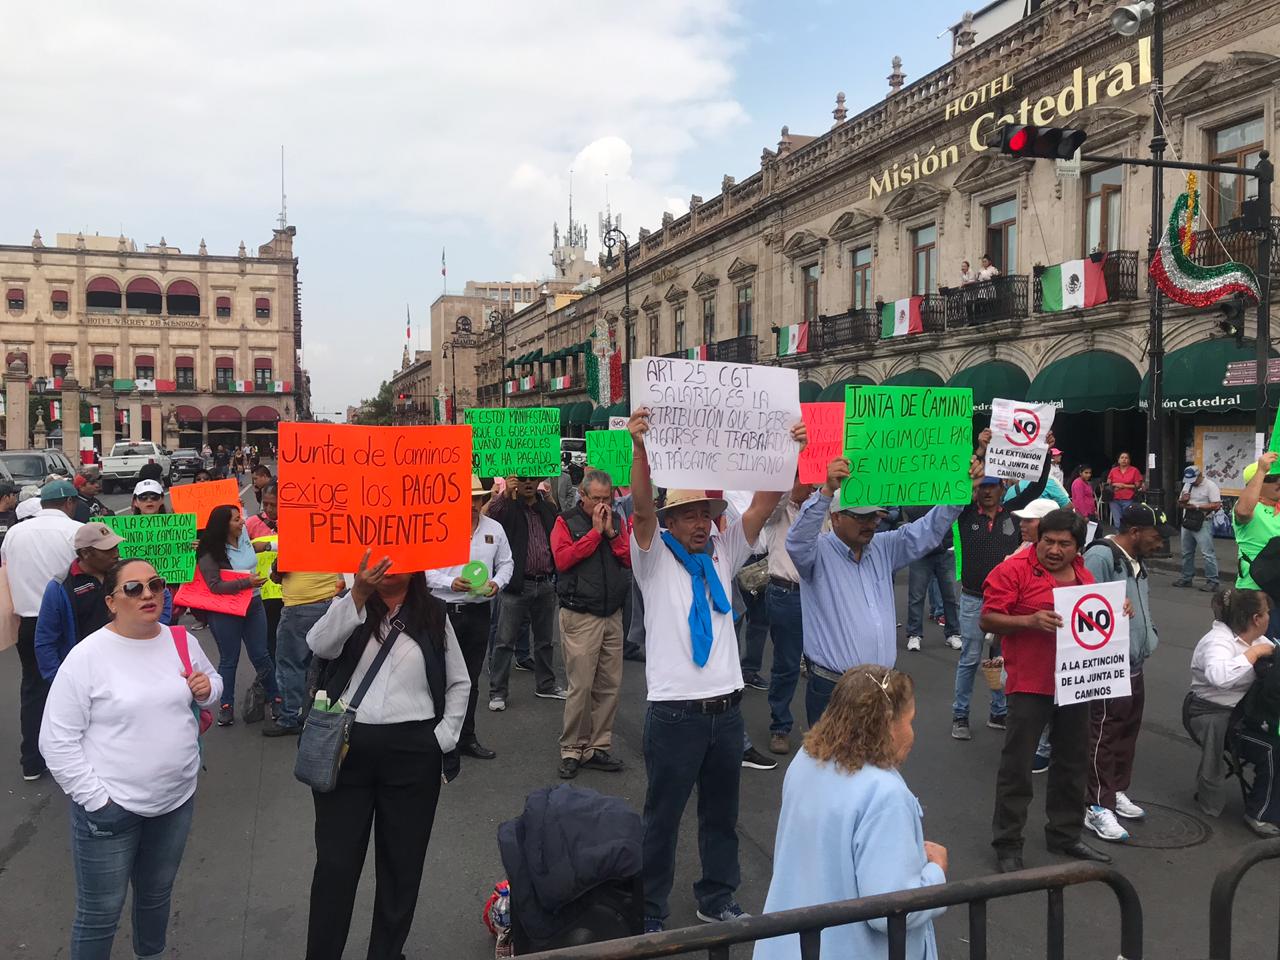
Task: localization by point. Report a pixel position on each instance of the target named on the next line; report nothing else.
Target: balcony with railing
(1119, 270)
(1237, 242)
(986, 301)
(735, 350)
(856, 328)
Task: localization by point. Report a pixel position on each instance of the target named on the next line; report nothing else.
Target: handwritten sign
(610, 451)
(1093, 643)
(515, 441)
(164, 540)
(270, 589)
(198, 596)
(200, 498)
(907, 446)
(825, 423)
(402, 492)
(718, 426)
(1019, 439)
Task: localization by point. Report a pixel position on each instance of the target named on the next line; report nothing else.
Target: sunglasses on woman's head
(133, 588)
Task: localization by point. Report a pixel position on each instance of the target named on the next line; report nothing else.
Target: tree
(376, 412)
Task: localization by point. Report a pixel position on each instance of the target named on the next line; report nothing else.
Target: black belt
(826, 673)
(782, 583)
(713, 705)
(479, 607)
(539, 577)
(971, 593)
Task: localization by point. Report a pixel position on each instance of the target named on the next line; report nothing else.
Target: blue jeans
(787, 629)
(682, 749)
(935, 599)
(522, 642)
(970, 656)
(293, 657)
(1117, 508)
(937, 568)
(756, 631)
(1203, 539)
(112, 848)
(817, 694)
(251, 630)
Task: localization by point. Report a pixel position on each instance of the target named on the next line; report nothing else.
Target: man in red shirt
(592, 553)
(1017, 604)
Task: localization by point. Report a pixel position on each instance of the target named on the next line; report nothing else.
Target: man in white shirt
(469, 606)
(1201, 496)
(694, 729)
(34, 552)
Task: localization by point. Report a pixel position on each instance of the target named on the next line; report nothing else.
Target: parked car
(187, 462)
(32, 467)
(121, 466)
(573, 450)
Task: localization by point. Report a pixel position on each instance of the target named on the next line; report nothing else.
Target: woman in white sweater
(121, 738)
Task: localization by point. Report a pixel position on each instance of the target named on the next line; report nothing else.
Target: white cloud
(408, 127)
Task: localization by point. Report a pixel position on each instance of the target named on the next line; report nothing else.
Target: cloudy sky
(412, 127)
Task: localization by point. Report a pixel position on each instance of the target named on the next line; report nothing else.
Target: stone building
(887, 203)
(413, 400)
(152, 343)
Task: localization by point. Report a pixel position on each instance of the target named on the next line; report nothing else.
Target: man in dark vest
(593, 554)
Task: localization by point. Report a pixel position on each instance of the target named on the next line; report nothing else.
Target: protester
(151, 471)
(221, 462)
(1018, 606)
(846, 579)
(88, 483)
(1083, 500)
(223, 545)
(148, 498)
(1221, 674)
(202, 476)
(121, 739)
(527, 517)
(592, 553)
(35, 552)
(1051, 489)
(8, 506)
(1200, 500)
(1125, 480)
(1055, 467)
(1029, 518)
(938, 566)
(694, 732)
(470, 609)
(76, 606)
(850, 826)
(264, 535)
(401, 747)
(786, 617)
(1255, 523)
(261, 478)
(1114, 722)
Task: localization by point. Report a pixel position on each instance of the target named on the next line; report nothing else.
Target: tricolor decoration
(901, 318)
(509, 387)
(1185, 282)
(55, 410)
(1073, 285)
(95, 414)
(615, 376)
(561, 383)
(603, 377)
(793, 339)
(696, 353)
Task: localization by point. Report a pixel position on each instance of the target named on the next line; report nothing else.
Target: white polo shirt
(489, 545)
(36, 551)
(670, 672)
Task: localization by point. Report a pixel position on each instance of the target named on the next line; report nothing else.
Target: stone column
(16, 398)
(172, 436)
(71, 417)
(107, 416)
(157, 424)
(40, 435)
(244, 429)
(134, 406)
(204, 430)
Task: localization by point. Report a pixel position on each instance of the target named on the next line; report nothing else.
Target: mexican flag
(435, 408)
(277, 386)
(901, 318)
(1072, 286)
(55, 409)
(510, 386)
(561, 383)
(95, 414)
(241, 386)
(793, 339)
(166, 386)
(697, 353)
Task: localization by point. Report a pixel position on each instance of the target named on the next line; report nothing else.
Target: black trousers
(31, 696)
(389, 783)
(1064, 799)
(274, 607)
(471, 625)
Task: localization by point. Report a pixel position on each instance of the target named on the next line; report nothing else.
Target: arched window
(60, 300)
(16, 299)
(144, 367)
(58, 363)
(104, 369)
(184, 373)
(262, 374)
(102, 295)
(224, 307)
(142, 296)
(182, 299)
(262, 308)
(224, 369)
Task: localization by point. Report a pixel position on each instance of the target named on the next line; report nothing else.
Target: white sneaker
(1261, 827)
(913, 643)
(1104, 823)
(1127, 808)
(954, 641)
(497, 703)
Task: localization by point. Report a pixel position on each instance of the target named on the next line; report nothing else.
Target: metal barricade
(1223, 896)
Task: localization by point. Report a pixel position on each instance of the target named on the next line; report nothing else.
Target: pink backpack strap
(180, 643)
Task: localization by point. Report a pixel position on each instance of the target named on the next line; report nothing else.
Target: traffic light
(1232, 321)
(1028, 142)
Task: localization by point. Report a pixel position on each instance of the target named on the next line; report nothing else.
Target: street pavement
(242, 891)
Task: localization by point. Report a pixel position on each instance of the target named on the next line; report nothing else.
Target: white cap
(1036, 509)
(148, 486)
(28, 508)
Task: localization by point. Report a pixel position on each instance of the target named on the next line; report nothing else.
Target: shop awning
(564, 409)
(1194, 375)
(809, 391)
(995, 378)
(580, 414)
(600, 418)
(619, 409)
(1089, 382)
(835, 392)
(919, 377)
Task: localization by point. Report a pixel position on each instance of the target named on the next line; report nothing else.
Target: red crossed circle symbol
(1090, 621)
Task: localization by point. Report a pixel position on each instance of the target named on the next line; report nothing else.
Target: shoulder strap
(180, 642)
(396, 629)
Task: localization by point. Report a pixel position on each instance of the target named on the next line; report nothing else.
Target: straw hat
(680, 498)
(477, 488)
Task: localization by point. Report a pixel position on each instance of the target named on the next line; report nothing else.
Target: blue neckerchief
(703, 573)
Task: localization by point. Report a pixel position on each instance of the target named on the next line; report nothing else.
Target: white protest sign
(618, 423)
(718, 426)
(1093, 643)
(1092, 533)
(1019, 439)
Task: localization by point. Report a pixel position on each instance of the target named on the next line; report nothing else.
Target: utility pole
(1155, 335)
(1266, 173)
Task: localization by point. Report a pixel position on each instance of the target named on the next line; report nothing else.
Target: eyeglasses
(133, 588)
(150, 496)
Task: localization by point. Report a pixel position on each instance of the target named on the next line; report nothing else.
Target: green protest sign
(162, 539)
(515, 441)
(907, 446)
(1274, 446)
(610, 451)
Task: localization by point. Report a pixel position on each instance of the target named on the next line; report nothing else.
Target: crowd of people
(680, 581)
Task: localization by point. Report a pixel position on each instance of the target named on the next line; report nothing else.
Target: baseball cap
(858, 511)
(56, 490)
(989, 481)
(148, 486)
(1144, 515)
(1190, 474)
(1252, 468)
(28, 508)
(1036, 509)
(97, 536)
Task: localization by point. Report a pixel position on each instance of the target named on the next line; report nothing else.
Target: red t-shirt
(1124, 475)
(1016, 587)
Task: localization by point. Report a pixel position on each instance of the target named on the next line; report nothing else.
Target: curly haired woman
(850, 827)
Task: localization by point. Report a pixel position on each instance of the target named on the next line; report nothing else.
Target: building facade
(413, 398)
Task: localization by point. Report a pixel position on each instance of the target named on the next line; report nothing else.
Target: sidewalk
(1228, 560)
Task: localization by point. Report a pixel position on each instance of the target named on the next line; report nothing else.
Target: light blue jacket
(843, 836)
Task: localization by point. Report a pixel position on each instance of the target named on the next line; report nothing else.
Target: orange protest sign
(402, 492)
(200, 498)
(197, 595)
(825, 423)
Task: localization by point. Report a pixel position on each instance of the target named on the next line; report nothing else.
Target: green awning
(809, 391)
(564, 409)
(619, 409)
(918, 377)
(1089, 382)
(835, 392)
(600, 418)
(1194, 376)
(995, 378)
(580, 414)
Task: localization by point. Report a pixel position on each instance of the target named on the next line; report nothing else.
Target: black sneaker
(568, 768)
(226, 715)
(525, 665)
(278, 730)
(960, 729)
(601, 760)
(755, 681)
(753, 758)
(998, 721)
(31, 775)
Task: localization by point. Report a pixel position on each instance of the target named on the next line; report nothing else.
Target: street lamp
(498, 324)
(613, 237)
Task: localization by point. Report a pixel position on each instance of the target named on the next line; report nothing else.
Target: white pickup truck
(121, 466)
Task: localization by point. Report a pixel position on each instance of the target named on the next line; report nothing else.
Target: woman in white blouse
(401, 750)
(1221, 673)
(121, 738)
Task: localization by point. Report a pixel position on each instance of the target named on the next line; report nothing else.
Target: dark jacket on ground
(513, 515)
